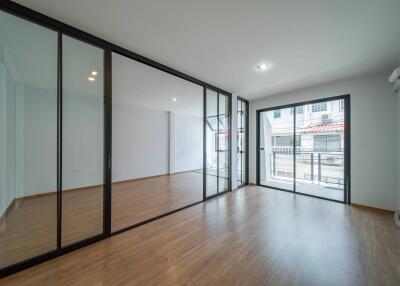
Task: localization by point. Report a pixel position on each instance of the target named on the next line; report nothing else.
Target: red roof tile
(336, 127)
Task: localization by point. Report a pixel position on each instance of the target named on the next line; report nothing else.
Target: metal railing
(316, 167)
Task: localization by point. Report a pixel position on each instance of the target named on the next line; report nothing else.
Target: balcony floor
(306, 187)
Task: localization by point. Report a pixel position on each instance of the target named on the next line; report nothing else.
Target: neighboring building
(319, 127)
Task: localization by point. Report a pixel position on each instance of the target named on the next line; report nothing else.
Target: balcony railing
(312, 167)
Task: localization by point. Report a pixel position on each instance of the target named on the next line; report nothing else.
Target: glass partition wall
(82, 140)
(242, 142)
(303, 148)
(28, 140)
(58, 188)
(218, 143)
(157, 143)
(52, 102)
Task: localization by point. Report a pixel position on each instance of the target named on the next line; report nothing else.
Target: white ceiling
(29, 53)
(141, 85)
(221, 41)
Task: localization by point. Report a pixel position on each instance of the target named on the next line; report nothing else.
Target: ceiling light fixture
(263, 67)
(90, 78)
(174, 99)
(94, 73)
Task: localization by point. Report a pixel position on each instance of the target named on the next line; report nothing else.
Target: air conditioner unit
(395, 79)
(326, 118)
(395, 76)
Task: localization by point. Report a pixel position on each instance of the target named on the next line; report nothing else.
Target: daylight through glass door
(302, 148)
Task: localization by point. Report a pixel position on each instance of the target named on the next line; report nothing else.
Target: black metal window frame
(108, 48)
(347, 177)
(298, 110)
(245, 125)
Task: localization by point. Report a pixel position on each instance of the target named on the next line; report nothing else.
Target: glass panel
(239, 142)
(212, 126)
(223, 143)
(276, 149)
(242, 135)
(243, 143)
(157, 142)
(82, 141)
(28, 140)
(320, 153)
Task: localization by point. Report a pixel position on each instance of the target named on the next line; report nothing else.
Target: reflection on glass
(241, 142)
(28, 140)
(217, 143)
(320, 149)
(157, 143)
(276, 148)
(82, 141)
(212, 140)
(223, 143)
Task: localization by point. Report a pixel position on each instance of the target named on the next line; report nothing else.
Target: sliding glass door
(303, 148)
(223, 146)
(157, 143)
(28, 140)
(82, 140)
(320, 154)
(60, 188)
(242, 142)
(217, 149)
(276, 150)
(51, 141)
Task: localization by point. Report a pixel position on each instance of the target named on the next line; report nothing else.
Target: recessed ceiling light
(263, 67)
(94, 73)
(90, 78)
(174, 99)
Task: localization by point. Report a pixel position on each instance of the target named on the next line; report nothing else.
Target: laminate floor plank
(252, 236)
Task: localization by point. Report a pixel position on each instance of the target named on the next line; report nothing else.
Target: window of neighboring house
(327, 143)
(277, 113)
(299, 109)
(318, 107)
(222, 145)
(285, 141)
(341, 105)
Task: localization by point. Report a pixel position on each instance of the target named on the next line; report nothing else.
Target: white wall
(6, 192)
(82, 138)
(39, 153)
(148, 142)
(140, 144)
(188, 143)
(374, 129)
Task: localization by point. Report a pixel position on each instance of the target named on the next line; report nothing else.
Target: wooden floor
(29, 228)
(254, 236)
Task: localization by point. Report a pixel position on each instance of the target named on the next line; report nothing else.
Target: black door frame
(108, 48)
(205, 197)
(245, 180)
(347, 180)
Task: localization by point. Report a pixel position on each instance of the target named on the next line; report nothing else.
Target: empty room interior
(200, 142)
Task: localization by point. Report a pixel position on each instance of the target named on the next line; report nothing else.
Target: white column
(19, 141)
(171, 142)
